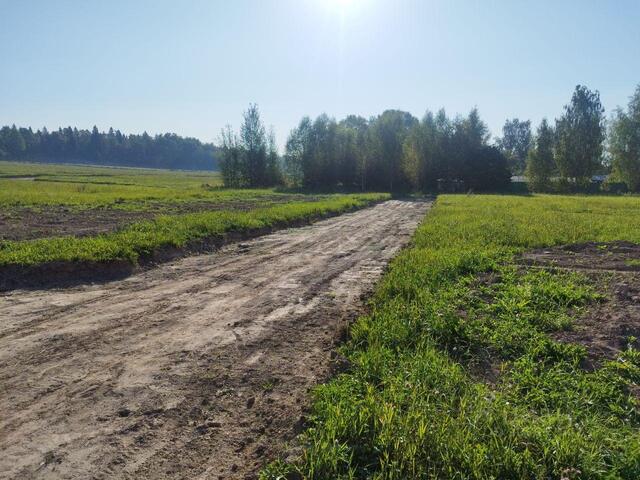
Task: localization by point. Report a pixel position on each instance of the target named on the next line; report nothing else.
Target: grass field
(170, 230)
(456, 372)
(175, 208)
(83, 187)
(419, 399)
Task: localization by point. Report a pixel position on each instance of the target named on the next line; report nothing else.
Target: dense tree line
(395, 151)
(70, 145)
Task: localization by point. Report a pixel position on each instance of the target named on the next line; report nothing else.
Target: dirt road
(197, 369)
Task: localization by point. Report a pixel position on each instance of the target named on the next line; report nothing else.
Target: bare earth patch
(24, 223)
(200, 368)
(610, 326)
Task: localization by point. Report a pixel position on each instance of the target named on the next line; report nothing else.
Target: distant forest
(70, 145)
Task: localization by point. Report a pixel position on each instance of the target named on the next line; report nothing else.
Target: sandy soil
(197, 369)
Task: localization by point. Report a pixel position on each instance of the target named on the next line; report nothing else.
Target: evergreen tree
(95, 144)
(14, 143)
(4, 133)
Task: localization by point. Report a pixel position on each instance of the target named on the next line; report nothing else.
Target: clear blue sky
(191, 67)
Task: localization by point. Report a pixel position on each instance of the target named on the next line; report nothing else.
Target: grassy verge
(453, 374)
(171, 231)
(83, 187)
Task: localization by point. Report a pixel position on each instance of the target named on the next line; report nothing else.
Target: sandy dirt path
(197, 369)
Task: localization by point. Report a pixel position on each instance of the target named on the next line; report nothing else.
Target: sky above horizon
(192, 67)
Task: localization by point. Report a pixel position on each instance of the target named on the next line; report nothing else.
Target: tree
(470, 134)
(540, 162)
(421, 159)
(346, 155)
(624, 143)
(250, 159)
(4, 132)
(489, 170)
(231, 167)
(14, 143)
(579, 136)
(358, 126)
(515, 143)
(254, 145)
(273, 174)
(96, 144)
(475, 129)
(296, 152)
(387, 136)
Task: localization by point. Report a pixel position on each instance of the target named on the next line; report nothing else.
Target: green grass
(170, 230)
(416, 403)
(81, 187)
(38, 186)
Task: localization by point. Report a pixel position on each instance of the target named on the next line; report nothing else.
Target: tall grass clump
(453, 373)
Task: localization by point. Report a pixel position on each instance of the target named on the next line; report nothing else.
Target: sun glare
(341, 5)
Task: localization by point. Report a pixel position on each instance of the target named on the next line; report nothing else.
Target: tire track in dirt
(199, 368)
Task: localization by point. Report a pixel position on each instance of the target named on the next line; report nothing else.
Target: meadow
(82, 187)
(139, 211)
(457, 372)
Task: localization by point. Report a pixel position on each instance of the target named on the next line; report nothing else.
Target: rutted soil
(24, 223)
(607, 327)
(199, 368)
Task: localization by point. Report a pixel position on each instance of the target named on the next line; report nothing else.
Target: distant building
(522, 178)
